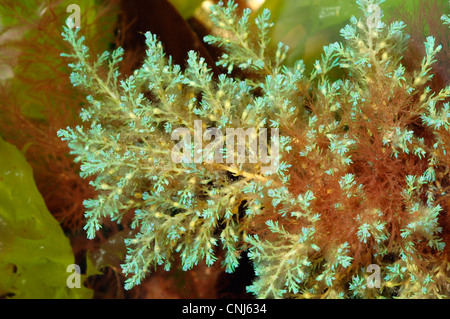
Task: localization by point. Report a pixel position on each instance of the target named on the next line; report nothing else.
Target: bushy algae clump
(361, 179)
